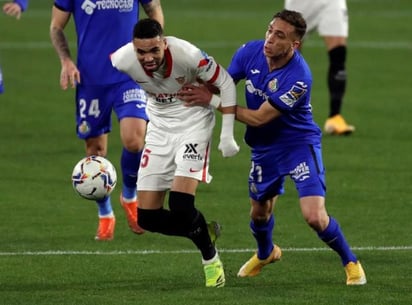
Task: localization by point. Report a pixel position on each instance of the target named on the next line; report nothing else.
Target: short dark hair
(147, 28)
(293, 18)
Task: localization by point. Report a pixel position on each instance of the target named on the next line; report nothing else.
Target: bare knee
(134, 144)
(261, 211)
(314, 212)
(132, 133)
(317, 221)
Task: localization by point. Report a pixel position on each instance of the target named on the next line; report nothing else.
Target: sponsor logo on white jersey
(120, 5)
(163, 98)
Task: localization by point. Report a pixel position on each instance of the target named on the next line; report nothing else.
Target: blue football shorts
(94, 106)
(303, 164)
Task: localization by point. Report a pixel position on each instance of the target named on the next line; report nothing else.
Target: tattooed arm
(69, 74)
(154, 11)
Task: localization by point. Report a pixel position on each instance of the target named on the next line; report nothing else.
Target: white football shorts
(168, 154)
(328, 17)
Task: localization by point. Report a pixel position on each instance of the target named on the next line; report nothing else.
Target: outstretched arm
(202, 96)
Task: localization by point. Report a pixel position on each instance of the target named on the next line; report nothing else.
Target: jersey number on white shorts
(145, 157)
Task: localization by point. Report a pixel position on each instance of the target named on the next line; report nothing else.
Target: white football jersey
(185, 64)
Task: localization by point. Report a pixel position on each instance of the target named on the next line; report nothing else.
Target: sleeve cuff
(215, 101)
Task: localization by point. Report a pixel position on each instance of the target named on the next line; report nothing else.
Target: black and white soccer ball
(94, 178)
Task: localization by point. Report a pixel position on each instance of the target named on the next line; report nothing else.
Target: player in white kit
(178, 140)
(330, 19)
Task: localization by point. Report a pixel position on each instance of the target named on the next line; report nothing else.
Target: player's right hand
(69, 75)
(195, 95)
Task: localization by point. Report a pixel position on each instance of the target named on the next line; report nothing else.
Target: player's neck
(277, 62)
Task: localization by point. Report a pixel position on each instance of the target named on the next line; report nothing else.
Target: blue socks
(334, 238)
(129, 163)
(105, 207)
(263, 235)
(129, 166)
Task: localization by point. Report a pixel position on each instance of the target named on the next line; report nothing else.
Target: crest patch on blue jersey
(273, 85)
(294, 94)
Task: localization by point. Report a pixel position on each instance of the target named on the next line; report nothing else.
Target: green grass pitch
(47, 252)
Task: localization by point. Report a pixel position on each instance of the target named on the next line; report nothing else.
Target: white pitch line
(183, 251)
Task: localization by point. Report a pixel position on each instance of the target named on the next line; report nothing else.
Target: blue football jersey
(288, 89)
(102, 27)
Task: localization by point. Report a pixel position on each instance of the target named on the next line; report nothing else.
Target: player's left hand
(228, 147)
(69, 75)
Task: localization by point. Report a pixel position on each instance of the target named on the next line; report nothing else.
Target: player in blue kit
(284, 139)
(14, 9)
(103, 26)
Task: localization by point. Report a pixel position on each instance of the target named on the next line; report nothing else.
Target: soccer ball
(94, 178)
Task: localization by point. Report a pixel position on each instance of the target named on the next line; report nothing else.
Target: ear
(296, 44)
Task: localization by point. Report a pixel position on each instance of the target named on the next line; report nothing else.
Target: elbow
(257, 124)
(251, 121)
(253, 118)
